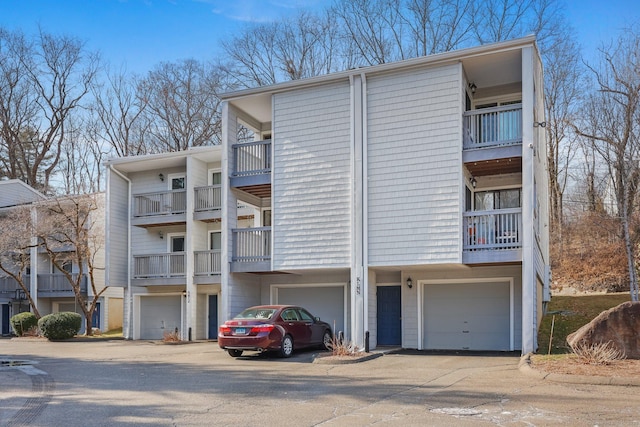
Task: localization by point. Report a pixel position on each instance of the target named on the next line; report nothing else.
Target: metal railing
(493, 230)
(208, 198)
(160, 203)
(495, 126)
(159, 265)
(251, 244)
(252, 158)
(208, 263)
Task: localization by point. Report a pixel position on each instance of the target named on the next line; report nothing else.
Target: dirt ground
(572, 365)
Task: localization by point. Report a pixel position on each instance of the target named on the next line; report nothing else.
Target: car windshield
(256, 313)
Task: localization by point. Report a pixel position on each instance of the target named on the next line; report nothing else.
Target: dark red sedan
(273, 328)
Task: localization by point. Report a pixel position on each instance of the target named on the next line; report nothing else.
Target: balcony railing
(251, 244)
(208, 198)
(208, 263)
(160, 203)
(252, 158)
(58, 282)
(495, 126)
(159, 265)
(493, 230)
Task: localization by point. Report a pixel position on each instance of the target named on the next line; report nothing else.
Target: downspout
(129, 334)
(365, 210)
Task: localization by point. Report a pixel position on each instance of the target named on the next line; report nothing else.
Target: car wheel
(287, 346)
(235, 353)
(327, 339)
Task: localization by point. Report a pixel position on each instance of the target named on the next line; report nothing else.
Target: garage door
(159, 314)
(467, 316)
(326, 302)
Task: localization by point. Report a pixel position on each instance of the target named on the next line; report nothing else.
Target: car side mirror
(317, 319)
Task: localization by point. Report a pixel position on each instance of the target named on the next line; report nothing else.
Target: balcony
(207, 264)
(159, 208)
(208, 203)
(159, 269)
(251, 168)
(251, 250)
(492, 236)
(8, 286)
(57, 285)
(492, 140)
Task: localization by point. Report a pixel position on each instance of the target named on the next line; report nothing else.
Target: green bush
(60, 326)
(22, 323)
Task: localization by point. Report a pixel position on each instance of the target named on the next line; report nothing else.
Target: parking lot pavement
(125, 383)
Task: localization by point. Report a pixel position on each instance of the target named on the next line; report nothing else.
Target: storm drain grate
(15, 363)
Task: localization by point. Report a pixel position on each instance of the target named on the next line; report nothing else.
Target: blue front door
(4, 321)
(389, 316)
(95, 319)
(213, 317)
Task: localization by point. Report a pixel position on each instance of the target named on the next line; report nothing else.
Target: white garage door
(467, 316)
(159, 314)
(325, 302)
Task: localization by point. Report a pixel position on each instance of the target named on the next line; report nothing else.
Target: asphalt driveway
(125, 383)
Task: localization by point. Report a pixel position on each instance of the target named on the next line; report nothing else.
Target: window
(176, 243)
(497, 199)
(177, 182)
(266, 218)
(215, 177)
(215, 240)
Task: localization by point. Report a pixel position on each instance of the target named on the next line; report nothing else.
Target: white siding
(414, 165)
(311, 182)
(117, 211)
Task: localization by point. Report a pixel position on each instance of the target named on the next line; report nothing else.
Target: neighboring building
(406, 202)
(49, 287)
(164, 231)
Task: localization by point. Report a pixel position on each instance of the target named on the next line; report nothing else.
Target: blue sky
(142, 33)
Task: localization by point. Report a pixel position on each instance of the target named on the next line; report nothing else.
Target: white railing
(208, 263)
(251, 244)
(208, 198)
(252, 158)
(493, 126)
(8, 285)
(58, 282)
(493, 230)
(159, 265)
(160, 203)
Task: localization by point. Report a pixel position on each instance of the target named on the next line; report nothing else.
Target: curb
(525, 367)
(332, 360)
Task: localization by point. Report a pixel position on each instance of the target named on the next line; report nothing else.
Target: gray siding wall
(117, 232)
(414, 165)
(311, 178)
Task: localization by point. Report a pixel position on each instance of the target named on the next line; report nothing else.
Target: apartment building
(405, 204)
(49, 288)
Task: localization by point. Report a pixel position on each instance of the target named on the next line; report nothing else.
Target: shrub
(60, 326)
(171, 336)
(23, 323)
(598, 353)
(341, 347)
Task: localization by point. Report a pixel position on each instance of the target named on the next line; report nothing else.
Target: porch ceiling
(495, 166)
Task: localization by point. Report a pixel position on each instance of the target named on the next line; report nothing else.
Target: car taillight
(225, 330)
(261, 328)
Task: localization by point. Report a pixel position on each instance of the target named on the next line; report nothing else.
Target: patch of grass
(571, 313)
(112, 333)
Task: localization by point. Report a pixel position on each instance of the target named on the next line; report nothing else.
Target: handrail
(160, 203)
(251, 158)
(495, 126)
(498, 229)
(161, 265)
(251, 244)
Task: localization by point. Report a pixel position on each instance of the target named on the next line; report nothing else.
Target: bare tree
(374, 30)
(612, 122)
(42, 81)
(438, 25)
(182, 105)
(70, 229)
(16, 242)
(117, 115)
(562, 92)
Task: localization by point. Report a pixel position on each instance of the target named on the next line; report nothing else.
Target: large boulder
(619, 325)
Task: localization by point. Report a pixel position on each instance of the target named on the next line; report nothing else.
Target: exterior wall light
(473, 182)
(409, 282)
(473, 87)
(161, 234)
(161, 176)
